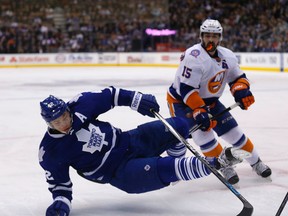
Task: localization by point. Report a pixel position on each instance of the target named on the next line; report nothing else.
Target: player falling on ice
(99, 152)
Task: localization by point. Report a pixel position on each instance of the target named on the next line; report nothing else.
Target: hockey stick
(282, 205)
(247, 207)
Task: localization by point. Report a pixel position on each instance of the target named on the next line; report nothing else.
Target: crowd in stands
(50, 26)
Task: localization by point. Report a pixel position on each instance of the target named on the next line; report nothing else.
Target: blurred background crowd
(51, 26)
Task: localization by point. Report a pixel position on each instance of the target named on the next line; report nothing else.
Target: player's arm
(99, 102)
(201, 112)
(240, 89)
(190, 79)
(138, 101)
(239, 84)
(60, 186)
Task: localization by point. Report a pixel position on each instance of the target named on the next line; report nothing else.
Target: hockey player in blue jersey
(99, 152)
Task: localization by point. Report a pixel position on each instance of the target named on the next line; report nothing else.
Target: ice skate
(229, 157)
(262, 169)
(230, 175)
(232, 156)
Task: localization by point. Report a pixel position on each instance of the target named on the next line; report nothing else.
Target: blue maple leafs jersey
(92, 147)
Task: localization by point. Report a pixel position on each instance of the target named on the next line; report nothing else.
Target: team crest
(195, 53)
(94, 139)
(215, 83)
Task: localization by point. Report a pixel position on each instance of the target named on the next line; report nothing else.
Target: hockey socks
(177, 151)
(173, 169)
(190, 168)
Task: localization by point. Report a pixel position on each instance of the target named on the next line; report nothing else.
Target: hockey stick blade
(282, 205)
(247, 207)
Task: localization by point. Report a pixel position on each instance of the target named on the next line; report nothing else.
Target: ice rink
(23, 189)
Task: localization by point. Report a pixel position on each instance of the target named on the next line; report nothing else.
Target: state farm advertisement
(28, 59)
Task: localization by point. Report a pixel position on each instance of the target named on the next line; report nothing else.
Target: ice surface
(23, 190)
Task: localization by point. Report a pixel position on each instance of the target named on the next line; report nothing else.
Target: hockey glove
(58, 208)
(213, 161)
(201, 116)
(242, 94)
(143, 103)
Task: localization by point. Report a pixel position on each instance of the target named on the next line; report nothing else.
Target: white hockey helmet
(211, 26)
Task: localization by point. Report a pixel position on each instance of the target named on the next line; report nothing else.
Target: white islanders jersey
(200, 72)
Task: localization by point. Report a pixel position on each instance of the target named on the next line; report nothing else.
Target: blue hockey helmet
(52, 108)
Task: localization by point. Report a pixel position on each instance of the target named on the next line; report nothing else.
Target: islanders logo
(215, 83)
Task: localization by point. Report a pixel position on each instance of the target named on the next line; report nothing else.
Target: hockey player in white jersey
(201, 77)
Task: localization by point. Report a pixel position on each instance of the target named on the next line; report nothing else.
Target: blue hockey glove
(213, 161)
(58, 208)
(201, 117)
(143, 103)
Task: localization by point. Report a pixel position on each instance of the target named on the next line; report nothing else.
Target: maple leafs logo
(94, 139)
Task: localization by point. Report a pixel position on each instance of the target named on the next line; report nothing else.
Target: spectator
(113, 26)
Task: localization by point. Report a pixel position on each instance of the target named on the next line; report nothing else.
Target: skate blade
(263, 179)
(267, 179)
(236, 186)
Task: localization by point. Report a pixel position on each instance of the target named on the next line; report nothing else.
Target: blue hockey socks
(190, 168)
(173, 169)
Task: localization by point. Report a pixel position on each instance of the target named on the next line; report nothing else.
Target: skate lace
(225, 162)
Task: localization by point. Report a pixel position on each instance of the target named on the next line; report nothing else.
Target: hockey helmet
(211, 26)
(52, 108)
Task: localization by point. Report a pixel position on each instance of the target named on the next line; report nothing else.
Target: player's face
(210, 41)
(63, 123)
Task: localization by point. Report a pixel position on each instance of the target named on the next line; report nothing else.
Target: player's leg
(153, 138)
(206, 140)
(180, 110)
(138, 175)
(228, 129)
(210, 146)
(239, 140)
(141, 175)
